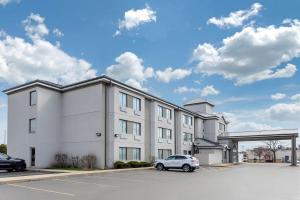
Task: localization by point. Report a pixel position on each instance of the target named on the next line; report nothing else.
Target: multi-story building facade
(111, 120)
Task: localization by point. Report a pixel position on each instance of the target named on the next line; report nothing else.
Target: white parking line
(40, 189)
(82, 182)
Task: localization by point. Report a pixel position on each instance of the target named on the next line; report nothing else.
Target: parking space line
(82, 182)
(41, 189)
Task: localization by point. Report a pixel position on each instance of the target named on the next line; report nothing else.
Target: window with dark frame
(32, 98)
(32, 125)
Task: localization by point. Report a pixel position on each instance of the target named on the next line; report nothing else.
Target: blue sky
(242, 55)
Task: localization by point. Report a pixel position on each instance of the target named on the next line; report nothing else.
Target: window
(123, 126)
(136, 104)
(188, 137)
(136, 153)
(160, 111)
(168, 134)
(187, 120)
(32, 156)
(129, 153)
(164, 153)
(221, 127)
(164, 133)
(32, 125)
(180, 157)
(122, 153)
(169, 114)
(136, 128)
(33, 98)
(160, 133)
(184, 152)
(123, 99)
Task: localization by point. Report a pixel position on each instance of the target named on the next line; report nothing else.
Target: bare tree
(259, 151)
(273, 146)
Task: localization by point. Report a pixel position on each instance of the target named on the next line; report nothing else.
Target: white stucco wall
(209, 156)
(83, 115)
(47, 136)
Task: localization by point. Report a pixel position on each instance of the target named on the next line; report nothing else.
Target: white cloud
(134, 18)
(5, 2)
(209, 90)
(284, 112)
(245, 121)
(278, 96)
(22, 61)
(236, 18)
(169, 74)
(295, 97)
(57, 32)
(35, 27)
(184, 89)
(252, 55)
(136, 84)
(129, 68)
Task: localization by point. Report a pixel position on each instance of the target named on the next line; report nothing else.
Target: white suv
(185, 162)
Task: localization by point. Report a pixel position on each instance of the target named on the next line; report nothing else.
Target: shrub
(61, 160)
(88, 161)
(75, 162)
(134, 164)
(145, 164)
(120, 165)
(3, 148)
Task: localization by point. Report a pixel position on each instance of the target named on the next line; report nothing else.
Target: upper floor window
(164, 133)
(136, 103)
(168, 114)
(136, 128)
(160, 111)
(221, 127)
(32, 98)
(187, 120)
(123, 126)
(32, 125)
(188, 137)
(123, 99)
(164, 112)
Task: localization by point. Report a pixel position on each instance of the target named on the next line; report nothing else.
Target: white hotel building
(111, 120)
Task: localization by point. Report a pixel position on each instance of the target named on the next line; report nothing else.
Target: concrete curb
(62, 173)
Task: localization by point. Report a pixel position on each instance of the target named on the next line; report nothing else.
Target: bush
(61, 160)
(75, 162)
(88, 162)
(130, 164)
(119, 165)
(134, 164)
(3, 148)
(145, 164)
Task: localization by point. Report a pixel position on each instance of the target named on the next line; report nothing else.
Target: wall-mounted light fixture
(116, 135)
(98, 134)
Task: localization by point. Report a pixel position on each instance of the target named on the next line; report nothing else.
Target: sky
(241, 55)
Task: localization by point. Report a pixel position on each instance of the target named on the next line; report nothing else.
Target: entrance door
(32, 156)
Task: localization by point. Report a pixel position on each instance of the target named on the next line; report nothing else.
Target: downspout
(105, 115)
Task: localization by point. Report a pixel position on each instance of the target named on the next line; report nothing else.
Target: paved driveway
(243, 182)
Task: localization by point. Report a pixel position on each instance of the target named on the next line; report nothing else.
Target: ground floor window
(164, 153)
(186, 152)
(129, 153)
(32, 156)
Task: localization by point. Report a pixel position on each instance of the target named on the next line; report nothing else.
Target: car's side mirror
(8, 157)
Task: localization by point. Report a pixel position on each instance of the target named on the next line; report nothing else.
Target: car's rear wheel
(160, 167)
(186, 168)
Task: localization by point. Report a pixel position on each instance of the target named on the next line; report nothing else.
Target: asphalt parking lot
(246, 182)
